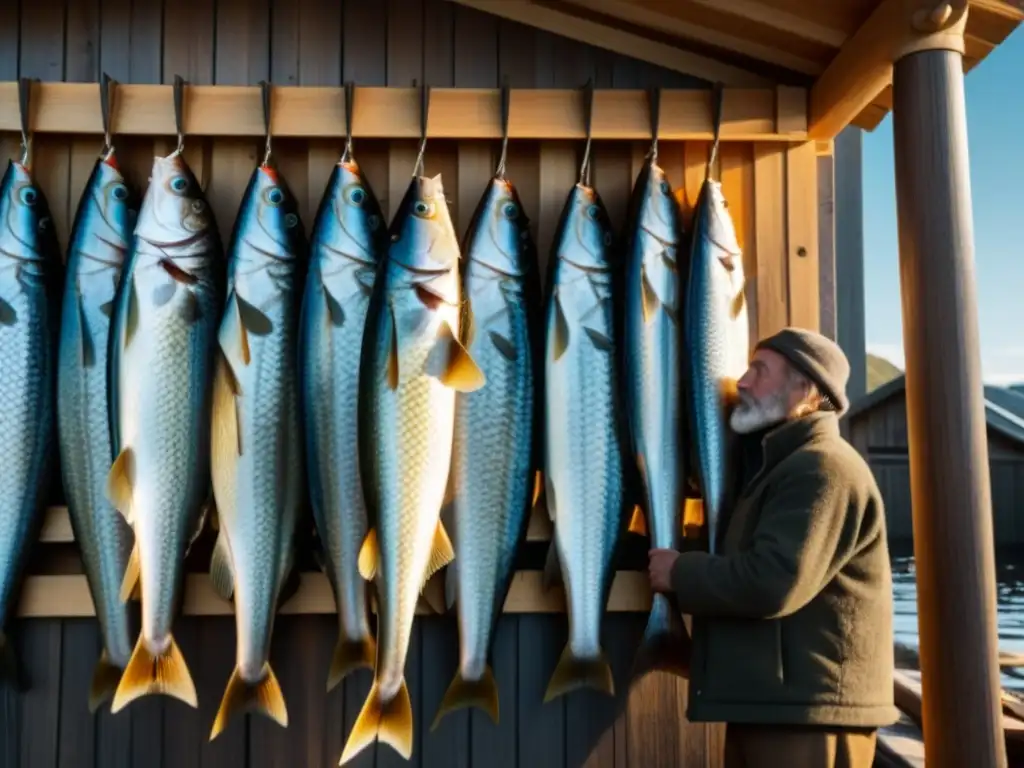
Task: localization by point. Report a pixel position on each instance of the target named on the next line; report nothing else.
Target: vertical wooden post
(952, 505)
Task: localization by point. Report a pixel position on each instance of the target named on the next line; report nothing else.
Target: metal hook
(588, 121)
(265, 89)
(350, 100)
(716, 117)
(654, 104)
(24, 103)
(417, 169)
(506, 98)
(179, 115)
(107, 88)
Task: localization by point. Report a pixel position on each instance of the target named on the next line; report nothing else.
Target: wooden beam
(777, 19)
(69, 596)
(455, 113)
(617, 40)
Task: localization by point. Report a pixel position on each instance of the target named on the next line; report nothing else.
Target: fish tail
(263, 696)
(574, 672)
(350, 655)
(148, 674)
(389, 722)
(665, 645)
(9, 672)
(105, 677)
(482, 693)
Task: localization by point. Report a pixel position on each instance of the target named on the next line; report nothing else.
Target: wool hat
(817, 357)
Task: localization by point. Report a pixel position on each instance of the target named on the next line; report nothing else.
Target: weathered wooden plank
(38, 646)
(738, 188)
(802, 235)
(494, 744)
(448, 745)
(827, 245)
(211, 665)
(541, 725)
(770, 239)
(188, 42)
(242, 52)
(365, 43)
(183, 726)
(414, 664)
(80, 650)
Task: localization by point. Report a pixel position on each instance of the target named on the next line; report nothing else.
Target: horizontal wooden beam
(68, 596)
(455, 113)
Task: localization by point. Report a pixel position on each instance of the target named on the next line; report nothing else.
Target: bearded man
(792, 622)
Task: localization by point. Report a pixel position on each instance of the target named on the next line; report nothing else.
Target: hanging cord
(716, 116)
(654, 105)
(179, 113)
(417, 169)
(350, 101)
(588, 123)
(265, 89)
(506, 98)
(24, 103)
(107, 87)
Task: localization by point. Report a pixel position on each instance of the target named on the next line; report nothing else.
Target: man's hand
(659, 568)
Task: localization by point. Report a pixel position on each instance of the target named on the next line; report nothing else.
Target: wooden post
(952, 505)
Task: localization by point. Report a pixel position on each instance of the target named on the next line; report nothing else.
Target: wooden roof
(757, 42)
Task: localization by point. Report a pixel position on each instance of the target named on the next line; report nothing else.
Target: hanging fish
(494, 462)
(163, 341)
(99, 240)
(349, 241)
(256, 443)
(412, 365)
(31, 278)
(584, 434)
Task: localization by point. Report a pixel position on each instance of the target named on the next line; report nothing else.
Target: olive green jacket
(793, 620)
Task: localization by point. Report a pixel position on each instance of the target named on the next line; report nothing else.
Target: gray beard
(751, 415)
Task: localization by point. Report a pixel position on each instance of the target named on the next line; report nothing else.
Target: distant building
(877, 426)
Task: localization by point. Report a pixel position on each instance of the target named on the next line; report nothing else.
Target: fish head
(272, 225)
(174, 210)
(500, 234)
(720, 229)
(114, 203)
(586, 236)
(422, 236)
(357, 226)
(27, 230)
(659, 210)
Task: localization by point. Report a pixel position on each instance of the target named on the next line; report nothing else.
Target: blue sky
(995, 125)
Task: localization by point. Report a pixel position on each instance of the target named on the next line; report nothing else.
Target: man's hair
(814, 399)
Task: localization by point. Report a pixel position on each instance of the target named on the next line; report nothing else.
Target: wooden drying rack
(767, 114)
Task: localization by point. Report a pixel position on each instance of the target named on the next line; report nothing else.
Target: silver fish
(584, 435)
(412, 364)
(717, 339)
(30, 283)
(255, 440)
(99, 240)
(349, 241)
(494, 461)
(163, 341)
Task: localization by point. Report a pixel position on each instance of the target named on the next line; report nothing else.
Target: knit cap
(817, 357)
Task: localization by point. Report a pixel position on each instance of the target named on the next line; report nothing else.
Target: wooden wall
(880, 434)
(772, 191)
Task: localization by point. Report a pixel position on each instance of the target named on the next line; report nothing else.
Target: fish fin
(442, 552)
(693, 518)
(10, 674)
(88, 349)
(232, 336)
(650, 297)
(289, 587)
(673, 316)
(433, 593)
(392, 367)
(131, 584)
(737, 304)
(503, 345)
(538, 488)
(226, 418)
(451, 585)
(665, 645)
(451, 363)
(221, 575)
(638, 523)
(369, 555)
(335, 312)
(105, 677)
(147, 674)
(428, 297)
(350, 655)
(120, 481)
(468, 323)
(599, 340)
(131, 323)
(552, 568)
(561, 341)
(163, 293)
(254, 320)
(107, 308)
(177, 273)
(264, 698)
(8, 314)
(573, 673)
(482, 693)
(389, 722)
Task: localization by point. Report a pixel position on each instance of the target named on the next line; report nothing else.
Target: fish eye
(423, 209)
(374, 221)
(356, 195)
(290, 220)
(510, 210)
(29, 196)
(593, 212)
(274, 196)
(198, 206)
(179, 184)
(119, 192)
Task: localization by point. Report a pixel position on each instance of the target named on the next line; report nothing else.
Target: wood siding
(880, 434)
(772, 190)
